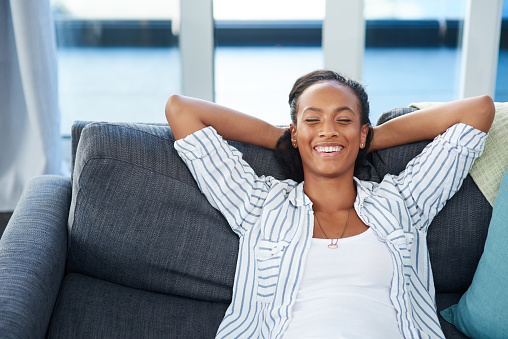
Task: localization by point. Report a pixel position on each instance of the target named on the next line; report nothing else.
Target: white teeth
(328, 149)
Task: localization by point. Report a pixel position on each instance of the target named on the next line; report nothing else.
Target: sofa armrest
(33, 252)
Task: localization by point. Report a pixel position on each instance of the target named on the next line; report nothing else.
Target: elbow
(173, 107)
(490, 107)
(486, 112)
(478, 112)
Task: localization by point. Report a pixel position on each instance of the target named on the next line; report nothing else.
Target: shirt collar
(363, 190)
(297, 196)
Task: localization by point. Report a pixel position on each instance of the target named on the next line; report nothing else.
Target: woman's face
(328, 132)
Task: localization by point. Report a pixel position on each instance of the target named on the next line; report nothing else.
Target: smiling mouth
(328, 149)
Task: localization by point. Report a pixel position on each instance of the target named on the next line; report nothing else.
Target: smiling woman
(282, 223)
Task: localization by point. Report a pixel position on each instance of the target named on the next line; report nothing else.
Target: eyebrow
(337, 110)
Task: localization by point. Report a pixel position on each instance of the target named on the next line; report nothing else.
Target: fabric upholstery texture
(147, 226)
(482, 310)
(32, 257)
(163, 226)
(90, 308)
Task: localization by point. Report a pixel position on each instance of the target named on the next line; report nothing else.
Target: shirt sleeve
(227, 181)
(433, 177)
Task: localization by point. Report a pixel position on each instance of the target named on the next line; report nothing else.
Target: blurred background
(119, 60)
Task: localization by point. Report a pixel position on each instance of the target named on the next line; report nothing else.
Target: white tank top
(345, 292)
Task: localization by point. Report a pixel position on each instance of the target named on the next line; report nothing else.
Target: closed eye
(310, 121)
(344, 121)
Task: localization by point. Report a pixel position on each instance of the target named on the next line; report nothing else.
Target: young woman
(323, 254)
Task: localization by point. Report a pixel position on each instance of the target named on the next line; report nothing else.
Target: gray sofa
(129, 248)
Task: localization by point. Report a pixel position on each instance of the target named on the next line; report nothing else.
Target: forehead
(328, 94)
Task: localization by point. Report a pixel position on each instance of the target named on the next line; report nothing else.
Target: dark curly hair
(286, 154)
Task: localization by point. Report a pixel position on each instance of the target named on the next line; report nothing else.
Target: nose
(329, 129)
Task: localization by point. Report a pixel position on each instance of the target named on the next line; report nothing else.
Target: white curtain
(30, 142)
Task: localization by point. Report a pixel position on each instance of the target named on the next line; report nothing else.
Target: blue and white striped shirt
(274, 220)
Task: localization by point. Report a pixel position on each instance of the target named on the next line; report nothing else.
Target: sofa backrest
(138, 218)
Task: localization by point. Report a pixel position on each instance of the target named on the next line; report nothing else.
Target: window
(411, 52)
(262, 47)
(118, 60)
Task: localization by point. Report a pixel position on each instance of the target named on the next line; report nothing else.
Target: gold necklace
(334, 245)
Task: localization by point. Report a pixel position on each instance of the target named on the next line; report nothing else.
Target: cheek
(303, 137)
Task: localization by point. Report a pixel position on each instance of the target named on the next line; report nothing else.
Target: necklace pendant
(333, 246)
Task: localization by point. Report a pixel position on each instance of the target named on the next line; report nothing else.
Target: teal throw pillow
(482, 312)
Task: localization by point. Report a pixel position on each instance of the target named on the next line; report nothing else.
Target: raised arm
(426, 124)
(187, 115)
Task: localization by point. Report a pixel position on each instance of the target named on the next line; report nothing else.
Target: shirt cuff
(198, 144)
(466, 136)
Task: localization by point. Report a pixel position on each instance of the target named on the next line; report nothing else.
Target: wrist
(375, 142)
(277, 133)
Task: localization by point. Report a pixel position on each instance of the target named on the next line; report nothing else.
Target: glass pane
(502, 63)
(412, 52)
(414, 9)
(502, 76)
(260, 52)
(257, 80)
(118, 60)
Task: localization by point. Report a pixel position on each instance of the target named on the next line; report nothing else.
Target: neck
(331, 195)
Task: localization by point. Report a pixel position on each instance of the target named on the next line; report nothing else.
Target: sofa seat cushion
(91, 308)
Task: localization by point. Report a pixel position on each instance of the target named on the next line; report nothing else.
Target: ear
(292, 128)
(363, 135)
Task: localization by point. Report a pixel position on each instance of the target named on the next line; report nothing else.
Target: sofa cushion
(138, 218)
(481, 312)
(443, 301)
(457, 234)
(89, 307)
